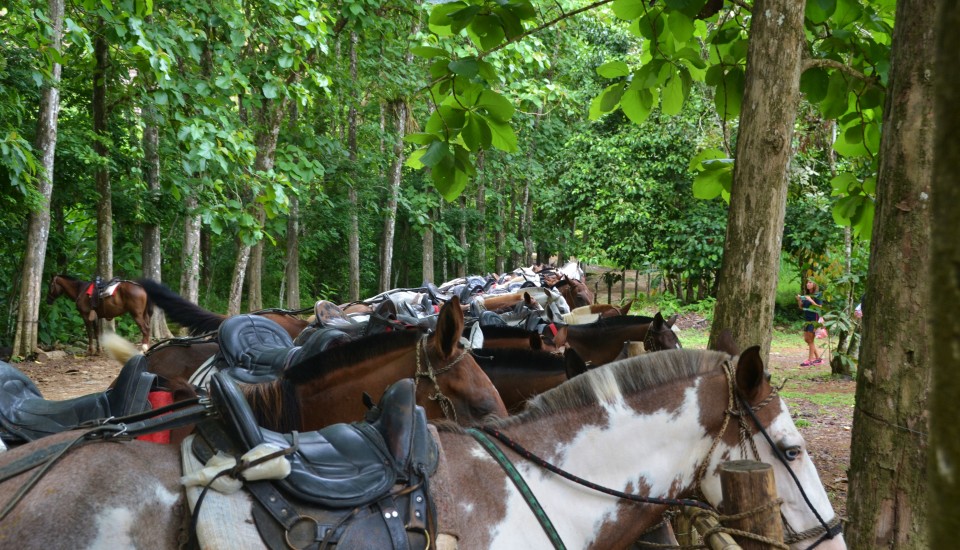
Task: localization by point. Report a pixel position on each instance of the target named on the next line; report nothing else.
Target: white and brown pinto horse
(656, 425)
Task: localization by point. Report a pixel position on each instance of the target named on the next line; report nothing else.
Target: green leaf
(836, 103)
(611, 97)
(681, 26)
(414, 160)
(709, 185)
(843, 183)
(847, 12)
(496, 105)
(440, 22)
(420, 139)
(818, 11)
(476, 133)
(696, 163)
(467, 67)
(814, 84)
(270, 90)
(628, 9)
(429, 52)
(637, 105)
(485, 31)
(651, 25)
(729, 94)
(501, 135)
(487, 71)
(690, 8)
(613, 69)
(436, 151)
(672, 101)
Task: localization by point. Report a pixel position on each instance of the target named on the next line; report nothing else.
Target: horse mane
(518, 358)
(180, 310)
(509, 331)
(604, 384)
(274, 404)
(617, 321)
(351, 353)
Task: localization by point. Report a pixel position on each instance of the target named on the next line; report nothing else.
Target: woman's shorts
(808, 328)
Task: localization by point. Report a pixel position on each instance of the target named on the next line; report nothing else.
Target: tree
(943, 460)
(38, 223)
(887, 503)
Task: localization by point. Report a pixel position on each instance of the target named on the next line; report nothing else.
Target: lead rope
(446, 404)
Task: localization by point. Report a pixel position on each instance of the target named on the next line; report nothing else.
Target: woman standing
(810, 303)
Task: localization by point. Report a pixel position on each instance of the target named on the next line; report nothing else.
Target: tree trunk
(464, 265)
(354, 237)
(944, 456)
(190, 264)
(427, 260)
(236, 284)
(38, 222)
(292, 269)
(102, 174)
(482, 214)
(751, 251)
(393, 193)
(887, 503)
(500, 236)
(255, 268)
(152, 246)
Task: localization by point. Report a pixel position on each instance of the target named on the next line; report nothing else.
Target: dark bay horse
(658, 425)
(326, 388)
(602, 341)
(129, 297)
(201, 321)
(519, 374)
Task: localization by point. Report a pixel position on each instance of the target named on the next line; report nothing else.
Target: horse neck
(659, 442)
(70, 287)
(335, 396)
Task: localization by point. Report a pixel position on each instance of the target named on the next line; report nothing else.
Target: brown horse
(201, 321)
(520, 374)
(326, 388)
(602, 341)
(128, 297)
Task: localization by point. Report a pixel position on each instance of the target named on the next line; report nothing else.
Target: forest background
(267, 154)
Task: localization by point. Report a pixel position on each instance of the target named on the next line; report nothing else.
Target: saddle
(25, 415)
(359, 485)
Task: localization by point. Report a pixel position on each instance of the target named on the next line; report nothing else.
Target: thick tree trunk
(152, 245)
(887, 503)
(944, 455)
(255, 268)
(102, 175)
(751, 251)
(38, 222)
(393, 193)
(236, 284)
(292, 269)
(354, 237)
(190, 262)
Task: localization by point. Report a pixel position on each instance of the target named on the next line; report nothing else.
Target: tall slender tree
(887, 502)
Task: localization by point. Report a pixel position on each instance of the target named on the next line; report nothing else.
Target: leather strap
(394, 522)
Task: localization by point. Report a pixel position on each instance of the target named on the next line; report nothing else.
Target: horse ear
(625, 308)
(658, 322)
(673, 319)
(527, 299)
(726, 343)
(560, 338)
(750, 373)
(449, 327)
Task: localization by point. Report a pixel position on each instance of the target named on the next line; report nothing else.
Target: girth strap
(521, 485)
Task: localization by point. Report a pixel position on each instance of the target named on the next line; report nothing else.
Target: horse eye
(792, 453)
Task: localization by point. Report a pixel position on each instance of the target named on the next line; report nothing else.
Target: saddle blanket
(107, 290)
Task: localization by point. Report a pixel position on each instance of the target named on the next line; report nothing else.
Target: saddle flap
(403, 425)
(339, 466)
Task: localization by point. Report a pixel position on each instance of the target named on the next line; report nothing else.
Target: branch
(545, 25)
(811, 63)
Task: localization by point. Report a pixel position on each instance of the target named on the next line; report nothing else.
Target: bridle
(446, 404)
(736, 406)
(650, 343)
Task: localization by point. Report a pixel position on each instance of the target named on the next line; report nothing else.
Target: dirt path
(821, 406)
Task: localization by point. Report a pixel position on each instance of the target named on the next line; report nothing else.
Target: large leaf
(847, 12)
(729, 94)
(681, 26)
(672, 101)
(501, 135)
(814, 84)
(436, 151)
(440, 22)
(428, 52)
(613, 69)
(818, 11)
(606, 101)
(485, 31)
(476, 133)
(715, 180)
(628, 9)
(496, 105)
(637, 104)
(467, 67)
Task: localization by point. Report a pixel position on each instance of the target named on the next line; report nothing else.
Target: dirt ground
(815, 400)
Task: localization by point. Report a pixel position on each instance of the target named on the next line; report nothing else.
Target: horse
(201, 321)
(654, 428)
(520, 374)
(325, 388)
(602, 341)
(127, 297)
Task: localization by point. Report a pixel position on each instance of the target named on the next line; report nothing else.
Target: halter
(446, 404)
(736, 405)
(649, 344)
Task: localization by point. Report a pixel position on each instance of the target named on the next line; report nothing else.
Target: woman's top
(810, 314)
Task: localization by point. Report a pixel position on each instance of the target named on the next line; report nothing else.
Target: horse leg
(143, 322)
(91, 334)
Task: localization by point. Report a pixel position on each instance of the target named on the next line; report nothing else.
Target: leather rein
(736, 405)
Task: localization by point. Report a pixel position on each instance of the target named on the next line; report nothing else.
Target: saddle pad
(226, 521)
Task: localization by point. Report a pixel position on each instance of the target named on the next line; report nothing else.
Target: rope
(446, 404)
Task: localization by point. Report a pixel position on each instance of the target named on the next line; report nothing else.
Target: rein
(446, 404)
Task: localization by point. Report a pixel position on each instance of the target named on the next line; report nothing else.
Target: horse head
(660, 335)
(55, 289)
(463, 390)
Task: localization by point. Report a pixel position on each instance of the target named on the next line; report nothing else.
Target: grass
(826, 399)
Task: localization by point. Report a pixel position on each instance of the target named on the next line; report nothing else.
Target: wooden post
(747, 485)
(704, 523)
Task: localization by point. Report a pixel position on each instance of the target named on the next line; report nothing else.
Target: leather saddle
(255, 349)
(359, 485)
(25, 415)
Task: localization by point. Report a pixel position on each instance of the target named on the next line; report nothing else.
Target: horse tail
(180, 310)
(117, 347)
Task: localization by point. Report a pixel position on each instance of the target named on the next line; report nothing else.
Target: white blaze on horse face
(656, 451)
(794, 510)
